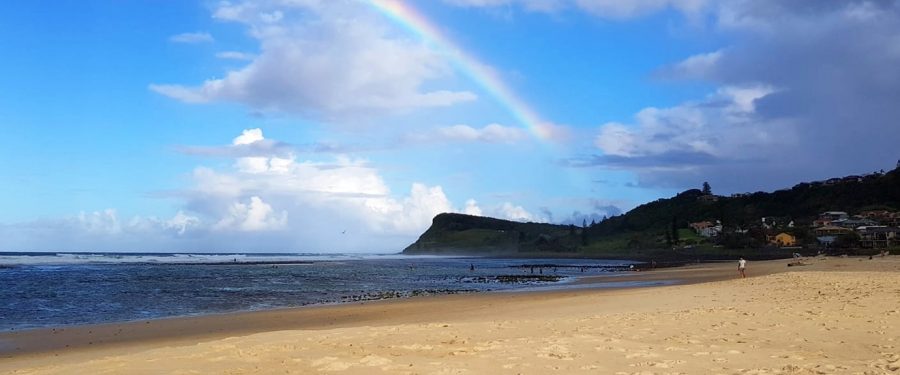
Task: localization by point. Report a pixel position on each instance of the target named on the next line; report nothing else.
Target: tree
(706, 189)
(584, 238)
(674, 229)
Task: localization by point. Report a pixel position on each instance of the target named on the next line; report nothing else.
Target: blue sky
(267, 125)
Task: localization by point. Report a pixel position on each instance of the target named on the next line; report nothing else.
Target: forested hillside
(655, 229)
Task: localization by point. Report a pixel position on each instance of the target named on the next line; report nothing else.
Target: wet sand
(835, 315)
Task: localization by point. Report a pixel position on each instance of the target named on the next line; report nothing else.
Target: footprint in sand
(669, 363)
(642, 355)
(374, 360)
(556, 351)
(330, 364)
(416, 347)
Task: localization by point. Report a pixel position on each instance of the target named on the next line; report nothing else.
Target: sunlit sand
(834, 315)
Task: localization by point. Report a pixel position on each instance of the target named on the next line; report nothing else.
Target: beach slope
(834, 315)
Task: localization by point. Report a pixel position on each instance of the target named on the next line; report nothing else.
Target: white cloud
(256, 215)
(324, 59)
(235, 55)
(614, 9)
(198, 37)
(478, 3)
(472, 208)
(269, 203)
(182, 93)
(104, 231)
(621, 8)
(546, 6)
(411, 215)
(104, 222)
(721, 126)
(248, 136)
(182, 222)
(511, 211)
(695, 66)
(338, 204)
(493, 133)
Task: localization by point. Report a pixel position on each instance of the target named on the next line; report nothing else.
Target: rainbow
(407, 16)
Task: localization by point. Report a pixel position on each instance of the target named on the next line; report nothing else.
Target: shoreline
(700, 286)
(91, 336)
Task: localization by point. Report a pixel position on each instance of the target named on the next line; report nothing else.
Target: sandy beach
(833, 315)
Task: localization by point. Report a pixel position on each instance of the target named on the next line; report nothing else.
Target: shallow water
(48, 290)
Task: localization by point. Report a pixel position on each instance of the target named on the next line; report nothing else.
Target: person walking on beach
(742, 264)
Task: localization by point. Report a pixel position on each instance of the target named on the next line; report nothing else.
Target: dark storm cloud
(668, 160)
(834, 109)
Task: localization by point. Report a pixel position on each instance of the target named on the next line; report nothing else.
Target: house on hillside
(826, 218)
(881, 216)
(879, 237)
(834, 215)
(707, 228)
(700, 225)
(783, 240)
(821, 223)
(770, 222)
(828, 234)
(894, 221)
(853, 223)
(832, 231)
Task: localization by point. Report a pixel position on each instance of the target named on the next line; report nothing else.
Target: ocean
(42, 290)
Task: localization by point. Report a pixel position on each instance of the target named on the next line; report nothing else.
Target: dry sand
(835, 315)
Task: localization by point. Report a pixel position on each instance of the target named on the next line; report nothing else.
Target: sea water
(39, 290)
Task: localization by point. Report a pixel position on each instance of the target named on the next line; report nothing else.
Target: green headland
(847, 215)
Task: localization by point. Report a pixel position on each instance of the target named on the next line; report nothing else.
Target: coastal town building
(853, 223)
(879, 237)
(707, 228)
(828, 234)
(826, 218)
(875, 228)
(877, 215)
(834, 215)
(783, 240)
(832, 231)
(772, 222)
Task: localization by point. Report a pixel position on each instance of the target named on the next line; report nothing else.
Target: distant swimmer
(344, 231)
